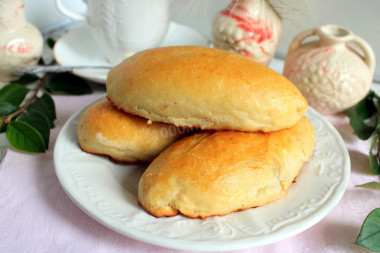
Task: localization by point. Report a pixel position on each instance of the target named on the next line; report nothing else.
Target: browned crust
(165, 199)
(230, 73)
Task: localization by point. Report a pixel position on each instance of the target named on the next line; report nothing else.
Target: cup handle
(67, 12)
(369, 55)
(297, 40)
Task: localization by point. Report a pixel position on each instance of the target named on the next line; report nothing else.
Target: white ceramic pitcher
(124, 27)
(332, 73)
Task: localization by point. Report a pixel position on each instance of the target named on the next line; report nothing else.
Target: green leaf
(39, 122)
(50, 42)
(373, 164)
(361, 129)
(6, 108)
(27, 79)
(373, 161)
(369, 236)
(370, 185)
(350, 112)
(3, 128)
(366, 108)
(24, 137)
(13, 93)
(46, 106)
(67, 83)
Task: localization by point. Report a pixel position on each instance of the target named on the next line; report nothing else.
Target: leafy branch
(365, 121)
(7, 119)
(27, 110)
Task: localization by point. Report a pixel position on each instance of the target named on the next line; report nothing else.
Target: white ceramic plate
(78, 48)
(107, 191)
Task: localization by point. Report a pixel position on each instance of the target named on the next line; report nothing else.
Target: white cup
(124, 27)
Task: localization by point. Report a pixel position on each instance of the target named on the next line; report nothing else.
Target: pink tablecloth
(36, 215)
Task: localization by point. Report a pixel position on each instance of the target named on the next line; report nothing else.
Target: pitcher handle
(69, 13)
(369, 55)
(297, 40)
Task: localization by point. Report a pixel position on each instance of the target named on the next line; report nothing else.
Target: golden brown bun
(215, 173)
(204, 88)
(102, 129)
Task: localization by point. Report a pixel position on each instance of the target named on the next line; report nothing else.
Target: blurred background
(361, 17)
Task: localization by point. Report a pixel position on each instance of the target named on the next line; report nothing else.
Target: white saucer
(78, 48)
